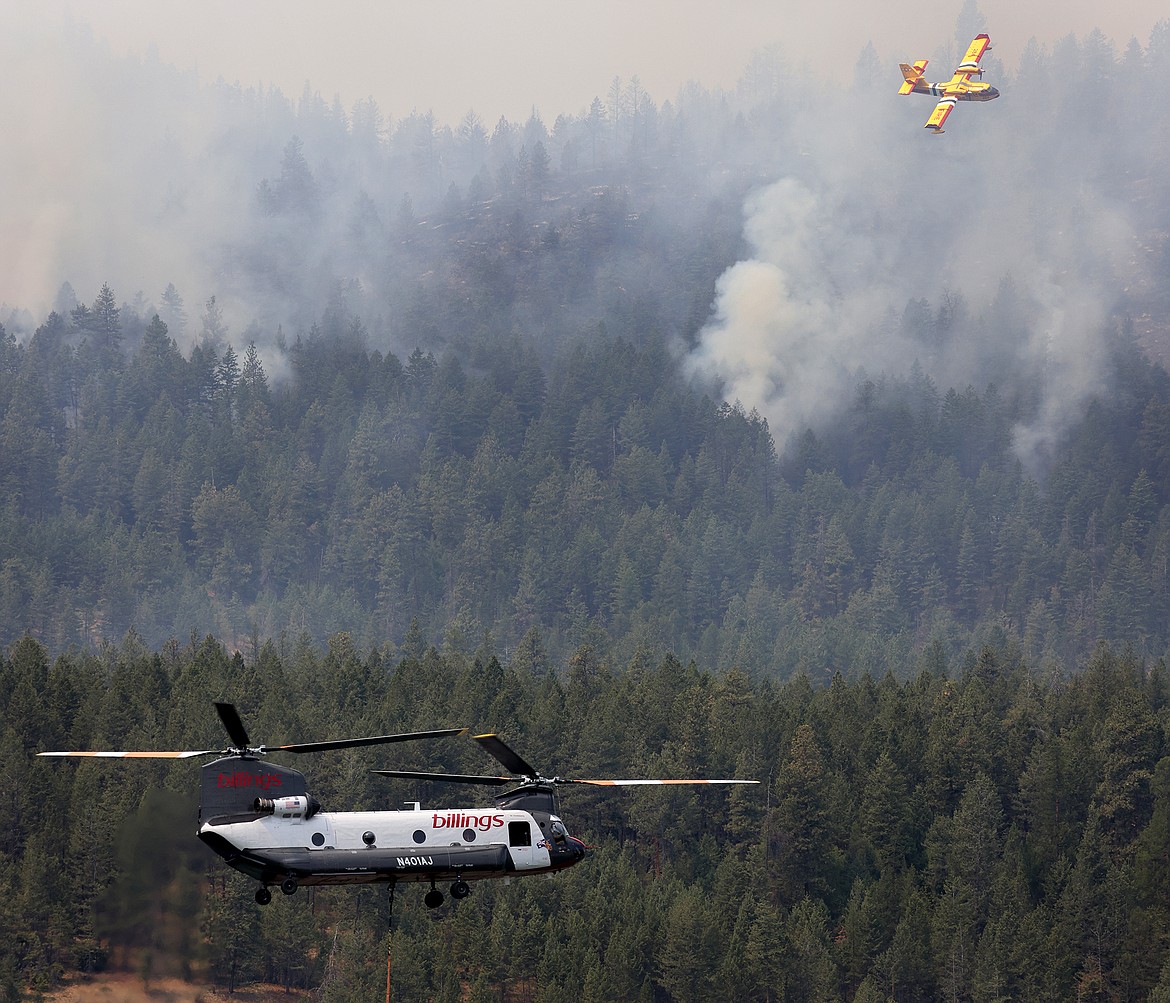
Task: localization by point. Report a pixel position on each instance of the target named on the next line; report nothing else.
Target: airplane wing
(969, 66)
(975, 50)
(955, 88)
(940, 113)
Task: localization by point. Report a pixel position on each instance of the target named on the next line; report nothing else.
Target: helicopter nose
(567, 852)
(993, 93)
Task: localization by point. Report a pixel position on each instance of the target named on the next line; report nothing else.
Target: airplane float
(959, 88)
(261, 819)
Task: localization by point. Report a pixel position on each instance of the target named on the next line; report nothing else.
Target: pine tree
(106, 325)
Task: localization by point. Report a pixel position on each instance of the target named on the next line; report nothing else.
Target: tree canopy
(953, 835)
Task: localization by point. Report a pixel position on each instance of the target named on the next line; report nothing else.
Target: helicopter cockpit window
(560, 833)
(519, 834)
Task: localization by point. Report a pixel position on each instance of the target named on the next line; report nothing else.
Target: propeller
(523, 773)
(241, 745)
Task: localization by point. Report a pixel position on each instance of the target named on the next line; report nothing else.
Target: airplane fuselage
(977, 91)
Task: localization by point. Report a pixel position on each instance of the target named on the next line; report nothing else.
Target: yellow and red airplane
(959, 88)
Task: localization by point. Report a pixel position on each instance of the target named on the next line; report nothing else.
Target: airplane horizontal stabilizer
(912, 75)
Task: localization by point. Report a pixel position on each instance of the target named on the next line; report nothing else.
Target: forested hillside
(480, 387)
(605, 501)
(975, 835)
(492, 383)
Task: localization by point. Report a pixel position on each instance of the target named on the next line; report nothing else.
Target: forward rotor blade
(448, 778)
(233, 725)
(138, 755)
(353, 743)
(495, 746)
(640, 783)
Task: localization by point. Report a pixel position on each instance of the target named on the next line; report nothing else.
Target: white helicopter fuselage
(287, 839)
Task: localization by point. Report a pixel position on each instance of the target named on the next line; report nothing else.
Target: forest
(606, 501)
(430, 426)
(971, 834)
(513, 399)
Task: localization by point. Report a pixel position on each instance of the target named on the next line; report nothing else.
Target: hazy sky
(120, 172)
(86, 166)
(505, 56)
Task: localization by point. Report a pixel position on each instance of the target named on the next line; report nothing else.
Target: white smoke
(793, 324)
(833, 260)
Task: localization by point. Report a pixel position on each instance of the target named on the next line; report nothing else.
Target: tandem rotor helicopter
(260, 817)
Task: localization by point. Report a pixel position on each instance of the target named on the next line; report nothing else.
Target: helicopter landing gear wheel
(263, 895)
(434, 898)
(460, 889)
(289, 885)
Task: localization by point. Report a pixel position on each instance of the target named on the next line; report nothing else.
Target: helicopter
(260, 818)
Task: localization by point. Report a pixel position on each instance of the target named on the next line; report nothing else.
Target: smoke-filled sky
(116, 168)
(504, 57)
(74, 129)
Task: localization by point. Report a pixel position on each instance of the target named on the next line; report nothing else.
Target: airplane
(261, 819)
(958, 88)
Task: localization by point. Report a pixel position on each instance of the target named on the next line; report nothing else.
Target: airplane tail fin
(912, 75)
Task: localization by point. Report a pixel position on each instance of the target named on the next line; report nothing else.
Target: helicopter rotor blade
(140, 755)
(449, 778)
(495, 746)
(525, 775)
(354, 743)
(233, 725)
(639, 783)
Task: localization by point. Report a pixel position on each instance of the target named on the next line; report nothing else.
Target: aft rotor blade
(138, 755)
(639, 783)
(353, 743)
(233, 725)
(494, 745)
(448, 778)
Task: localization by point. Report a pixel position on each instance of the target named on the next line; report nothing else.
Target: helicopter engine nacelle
(302, 806)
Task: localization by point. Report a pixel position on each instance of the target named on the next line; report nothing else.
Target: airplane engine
(302, 806)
